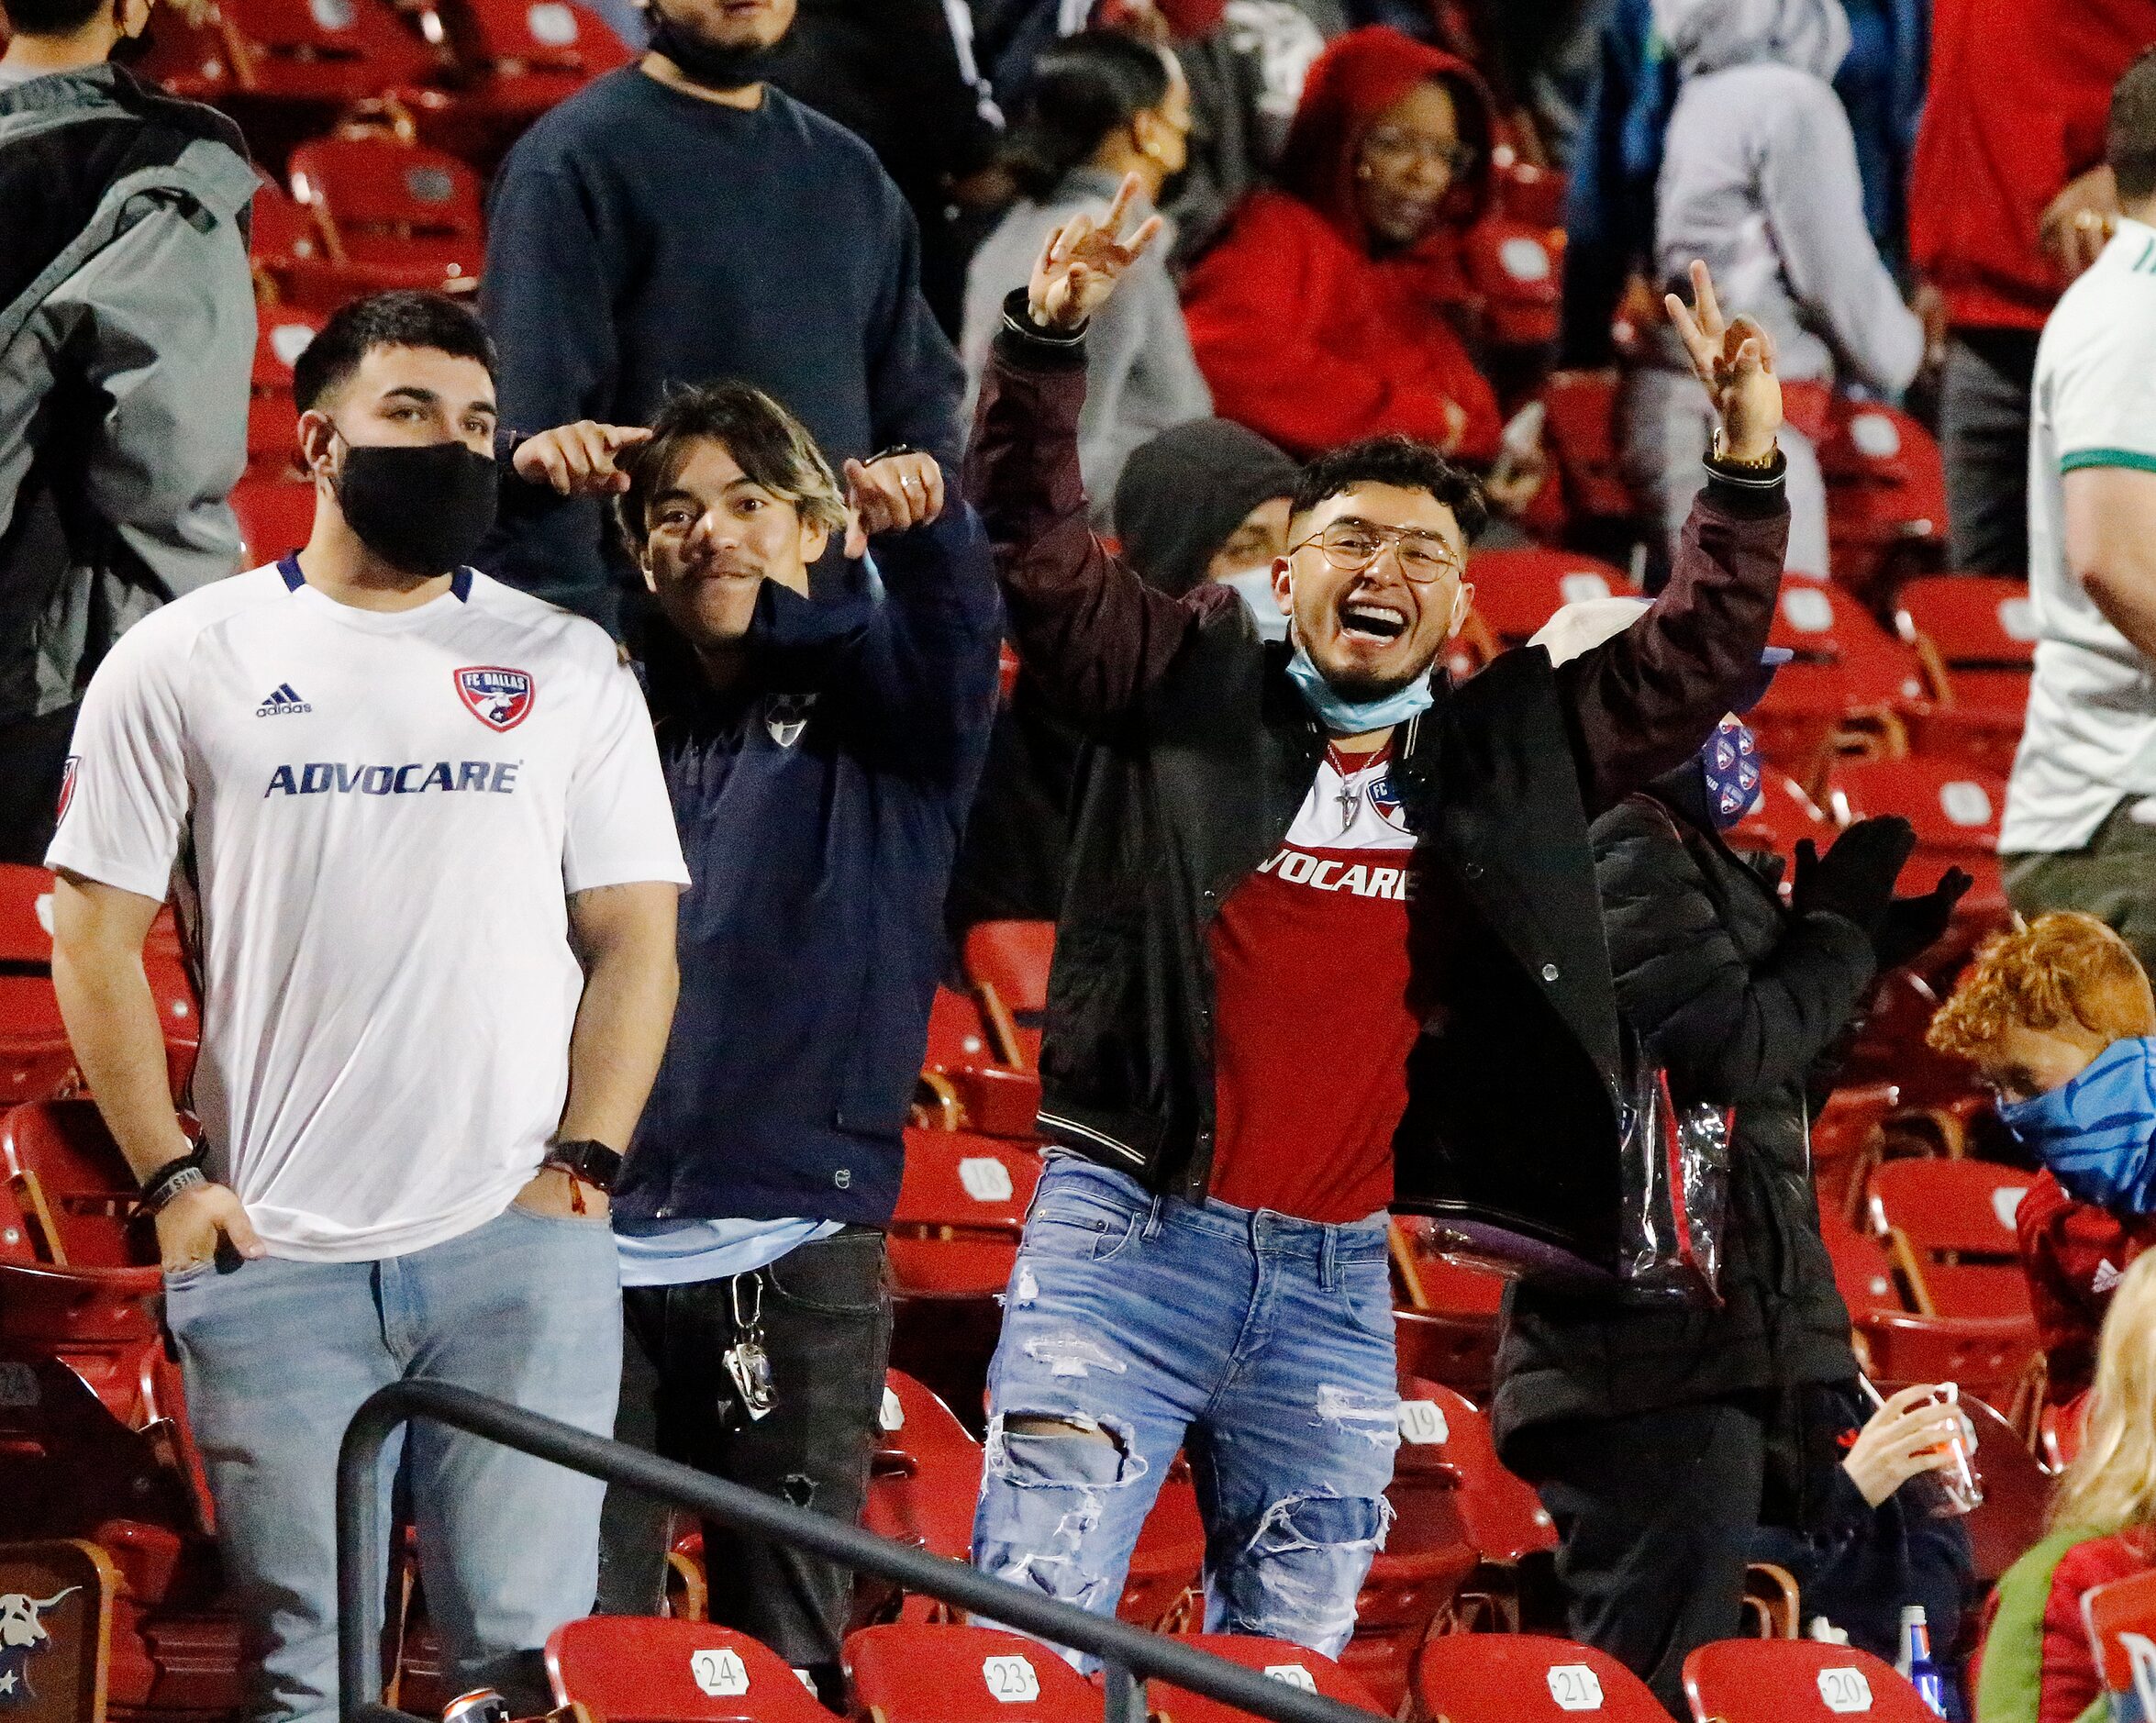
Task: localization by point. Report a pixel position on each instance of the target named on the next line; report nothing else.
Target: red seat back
(956, 1185)
(1581, 435)
(1845, 666)
(1501, 1513)
(2121, 1622)
(2017, 1493)
(1973, 621)
(1986, 1355)
(632, 1669)
(1796, 1681)
(1526, 1678)
(1515, 592)
(1784, 816)
(1968, 1207)
(322, 50)
(907, 1673)
(275, 518)
(1953, 806)
(86, 1183)
(522, 36)
(282, 333)
(395, 205)
(926, 1473)
(1014, 958)
(1289, 1664)
(1863, 1274)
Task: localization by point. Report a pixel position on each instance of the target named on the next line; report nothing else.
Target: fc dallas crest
(500, 698)
(67, 785)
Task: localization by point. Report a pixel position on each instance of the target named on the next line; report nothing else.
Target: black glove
(1855, 878)
(1912, 925)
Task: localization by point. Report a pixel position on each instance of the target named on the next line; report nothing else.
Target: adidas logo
(283, 702)
(2105, 1277)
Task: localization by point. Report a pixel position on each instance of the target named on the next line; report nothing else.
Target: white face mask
(1254, 587)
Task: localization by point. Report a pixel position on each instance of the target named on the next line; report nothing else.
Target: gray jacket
(1141, 376)
(127, 340)
(1758, 177)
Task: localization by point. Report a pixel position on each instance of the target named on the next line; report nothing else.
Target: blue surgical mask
(2097, 1133)
(1254, 587)
(1730, 766)
(1344, 717)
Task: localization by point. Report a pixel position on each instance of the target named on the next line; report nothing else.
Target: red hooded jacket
(2073, 1254)
(1303, 334)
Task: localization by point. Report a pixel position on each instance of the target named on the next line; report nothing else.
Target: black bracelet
(174, 1176)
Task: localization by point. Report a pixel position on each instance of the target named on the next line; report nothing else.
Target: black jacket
(1203, 752)
(1738, 1000)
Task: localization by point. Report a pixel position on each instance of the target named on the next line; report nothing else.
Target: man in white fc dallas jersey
(427, 870)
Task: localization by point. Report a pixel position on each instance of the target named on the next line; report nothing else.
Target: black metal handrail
(1130, 1656)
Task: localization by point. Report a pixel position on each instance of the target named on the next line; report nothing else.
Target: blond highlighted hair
(2111, 1484)
(2063, 968)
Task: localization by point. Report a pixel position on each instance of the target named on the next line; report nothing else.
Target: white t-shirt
(2091, 736)
(375, 819)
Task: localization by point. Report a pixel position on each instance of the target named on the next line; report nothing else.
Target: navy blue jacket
(820, 802)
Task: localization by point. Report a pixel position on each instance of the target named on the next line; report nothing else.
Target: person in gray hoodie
(1100, 105)
(127, 337)
(1760, 178)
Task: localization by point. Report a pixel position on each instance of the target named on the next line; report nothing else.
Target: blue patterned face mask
(2097, 1133)
(1730, 766)
(1344, 717)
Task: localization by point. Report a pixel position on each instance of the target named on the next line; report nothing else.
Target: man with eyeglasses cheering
(1305, 879)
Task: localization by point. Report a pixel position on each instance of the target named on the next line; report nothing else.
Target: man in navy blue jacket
(821, 756)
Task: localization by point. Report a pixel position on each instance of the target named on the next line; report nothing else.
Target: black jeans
(1655, 1516)
(1984, 436)
(826, 1326)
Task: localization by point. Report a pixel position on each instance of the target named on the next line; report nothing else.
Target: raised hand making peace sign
(1735, 363)
(1084, 259)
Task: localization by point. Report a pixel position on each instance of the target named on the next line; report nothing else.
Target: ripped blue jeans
(1260, 1344)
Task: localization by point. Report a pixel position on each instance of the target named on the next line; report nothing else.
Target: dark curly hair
(1397, 460)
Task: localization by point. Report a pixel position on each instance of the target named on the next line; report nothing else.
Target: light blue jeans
(1260, 1344)
(278, 1356)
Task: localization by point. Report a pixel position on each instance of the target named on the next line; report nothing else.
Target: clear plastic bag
(1676, 1194)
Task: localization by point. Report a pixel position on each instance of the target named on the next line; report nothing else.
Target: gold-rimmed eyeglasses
(1351, 545)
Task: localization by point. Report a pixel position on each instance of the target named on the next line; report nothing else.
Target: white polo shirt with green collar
(2090, 741)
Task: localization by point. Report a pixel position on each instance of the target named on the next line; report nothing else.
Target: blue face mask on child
(1730, 766)
(2097, 1133)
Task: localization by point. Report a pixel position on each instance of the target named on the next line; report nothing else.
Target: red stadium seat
(1525, 191)
(523, 56)
(923, 1480)
(1515, 592)
(1849, 674)
(907, 1673)
(1581, 434)
(275, 516)
(635, 1669)
(282, 333)
(988, 1090)
(1976, 635)
(1171, 1550)
(961, 1210)
(1014, 958)
(190, 59)
(394, 213)
(1886, 499)
(1863, 1271)
(1289, 1664)
(1958, 1219)
(1526, 1678)
(2120, 1620)
(1955, 808)
(1796, 1681)
(332, 52)
(1985, 1356)
(2062, 1430)
(36, 1060)
(1514, 267)
(2016, 1494)
(1456, 1348)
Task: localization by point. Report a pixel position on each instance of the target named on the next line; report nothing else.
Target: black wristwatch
(593, 1162)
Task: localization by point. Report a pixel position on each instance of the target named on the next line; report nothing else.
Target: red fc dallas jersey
(1315, 1025)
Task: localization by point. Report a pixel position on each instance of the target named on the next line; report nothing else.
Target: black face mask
(706, 63)
(422, 510)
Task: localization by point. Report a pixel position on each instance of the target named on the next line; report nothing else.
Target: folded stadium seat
(1863, 1271)
(282, 333)
(394, 213)
(1976, 636)
(961, 1210)
(1429, 1555)
(275, 516)
(978, 1084)
(907, 1673)
(1526, 1678)
(1988, 1357)
(1170, 1552)
(1951, 1226)
(1008, 962)
(1955, 808)
(923, 1482)
(2120, 1621)
(1282, 1662)
(1514, 267)
(1581, 435)
(1846, 687)
(330, 52)
(1886, 495)
(517, 58)
(1515, 592)
(1784, 816)
(1796, 1681)
(639, 1669)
